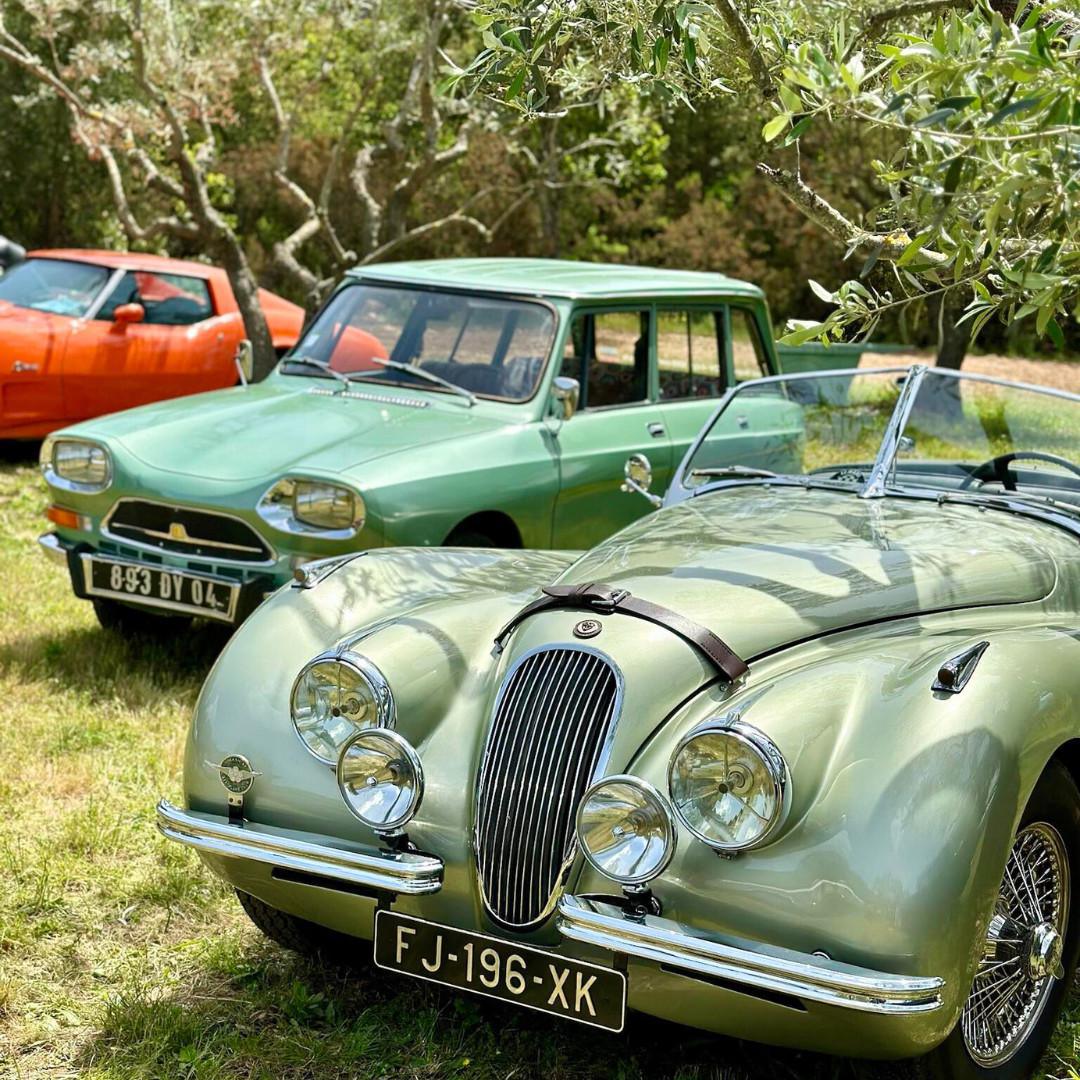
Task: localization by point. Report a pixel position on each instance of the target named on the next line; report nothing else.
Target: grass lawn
(120, 956)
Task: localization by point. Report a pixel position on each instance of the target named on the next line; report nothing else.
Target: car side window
(167, 299)
(748, 353)
(608, 353)
(689, 353)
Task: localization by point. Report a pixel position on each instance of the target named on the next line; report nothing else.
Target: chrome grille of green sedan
(548, 740)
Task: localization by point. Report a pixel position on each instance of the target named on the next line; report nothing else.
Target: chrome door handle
(20, 366)
(656, 430)
(742, 422)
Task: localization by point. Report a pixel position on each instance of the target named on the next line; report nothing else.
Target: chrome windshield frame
(877, 483)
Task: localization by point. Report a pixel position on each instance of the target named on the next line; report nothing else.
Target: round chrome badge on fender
(587, 628)
(235, 773)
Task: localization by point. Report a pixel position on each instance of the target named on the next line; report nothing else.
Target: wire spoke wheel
(1022, 957)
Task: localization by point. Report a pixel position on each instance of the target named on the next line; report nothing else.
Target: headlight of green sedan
(381, 779)
(76, 464)
(334, 697)
(729, 784)
(299, 505)
(626, 830)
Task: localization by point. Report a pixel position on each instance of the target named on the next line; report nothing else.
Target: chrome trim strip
(87, 558)
(396, 872)
(52, 548)
(240, 564)
(808, 977)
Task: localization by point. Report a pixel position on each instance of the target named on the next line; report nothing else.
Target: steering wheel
(998, 467)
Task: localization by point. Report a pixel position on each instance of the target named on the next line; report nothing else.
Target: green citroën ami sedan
(794, 758)
(460, 402)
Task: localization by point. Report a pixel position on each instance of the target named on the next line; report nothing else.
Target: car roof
(563, 278)
(128, 260)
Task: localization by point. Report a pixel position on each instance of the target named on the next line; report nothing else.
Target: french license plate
(534, 978)
(171, 590)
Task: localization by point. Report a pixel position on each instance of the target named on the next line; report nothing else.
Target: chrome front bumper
(52, 548)
(390, 871)
(807, 977)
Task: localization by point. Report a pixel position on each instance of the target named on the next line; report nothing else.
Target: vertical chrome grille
(554, 712)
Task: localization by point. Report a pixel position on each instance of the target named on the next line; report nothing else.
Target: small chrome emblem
(235, 773)
(177, 531)
(588, 628)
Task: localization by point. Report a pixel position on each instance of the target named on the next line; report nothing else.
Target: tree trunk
(246, 290)
(945, 310)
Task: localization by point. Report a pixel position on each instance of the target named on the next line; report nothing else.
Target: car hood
(250, 432)
(764, 568)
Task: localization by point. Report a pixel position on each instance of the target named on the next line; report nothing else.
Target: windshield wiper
(321, 365)
(1002, 501)
(430, 376)
(735, 471)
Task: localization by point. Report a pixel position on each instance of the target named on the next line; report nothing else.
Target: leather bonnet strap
(604, 599)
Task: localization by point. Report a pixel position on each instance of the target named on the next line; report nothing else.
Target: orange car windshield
(485, 345)
(58, 286)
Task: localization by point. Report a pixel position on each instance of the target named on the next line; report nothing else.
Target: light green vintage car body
(424, 462)
(904, 802)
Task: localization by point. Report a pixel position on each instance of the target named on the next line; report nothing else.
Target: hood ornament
(588, 628)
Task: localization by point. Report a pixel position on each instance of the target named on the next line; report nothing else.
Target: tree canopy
(971, 110)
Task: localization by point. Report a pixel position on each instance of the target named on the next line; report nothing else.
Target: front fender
(904, 802)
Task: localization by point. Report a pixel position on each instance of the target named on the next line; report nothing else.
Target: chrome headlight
(729, 784)
(324, 506)
(380, 779)
(76, 464)
(298, 505)
(626, 829)
(334, 697)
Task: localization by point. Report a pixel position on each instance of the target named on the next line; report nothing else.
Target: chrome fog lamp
(381, 779)
(76, 464)
(626, 829)
(334, 697)
(729, 785)
(324, 506)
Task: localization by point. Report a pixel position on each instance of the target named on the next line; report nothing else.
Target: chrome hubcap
(1023, 951)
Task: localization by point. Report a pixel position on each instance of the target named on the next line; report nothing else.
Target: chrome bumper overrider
(807, 977)
(395, 872)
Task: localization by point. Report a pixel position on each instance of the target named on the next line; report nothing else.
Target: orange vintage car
(89, 332)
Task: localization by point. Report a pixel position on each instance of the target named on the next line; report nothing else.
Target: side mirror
(567, 393)
(129, 313)
(245, 361)
(637, 473)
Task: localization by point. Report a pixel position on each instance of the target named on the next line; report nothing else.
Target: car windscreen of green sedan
(484, 402)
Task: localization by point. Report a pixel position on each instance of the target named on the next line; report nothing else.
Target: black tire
(300, 936)
(1055, 802)
(131, 622)
(470, 538)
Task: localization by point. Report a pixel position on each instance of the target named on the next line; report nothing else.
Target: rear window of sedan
(58, 286)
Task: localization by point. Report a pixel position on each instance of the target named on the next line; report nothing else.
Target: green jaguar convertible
(794, 758)
(457, 402)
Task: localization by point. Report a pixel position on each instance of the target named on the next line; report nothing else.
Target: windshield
(896, 429)
(54, 285)
(489, 347)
